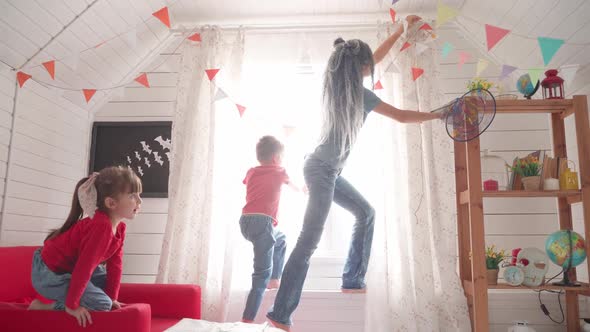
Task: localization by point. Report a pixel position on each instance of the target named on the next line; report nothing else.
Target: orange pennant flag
(406, 45)
(50, 66)
(392, 14)
(494, 35)
(143, 80)
(425, 26)
(88, 93)
(211, 73)
(22, 78)
(241, 109)
(378, 85)
(417, 72)
(162, 15)
(195, 37)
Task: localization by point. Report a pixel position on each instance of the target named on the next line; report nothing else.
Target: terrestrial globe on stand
(567, 249)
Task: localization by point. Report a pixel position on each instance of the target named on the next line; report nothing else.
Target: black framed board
(142, 146)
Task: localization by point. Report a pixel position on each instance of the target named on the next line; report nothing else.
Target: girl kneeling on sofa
(68, 268)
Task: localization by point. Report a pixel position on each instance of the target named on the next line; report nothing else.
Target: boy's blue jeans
(54, 286)
(269, 257)
(325, 185)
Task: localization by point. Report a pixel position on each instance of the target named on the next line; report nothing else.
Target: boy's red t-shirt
(263, 190)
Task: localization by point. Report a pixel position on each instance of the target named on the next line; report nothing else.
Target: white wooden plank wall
(7, 84)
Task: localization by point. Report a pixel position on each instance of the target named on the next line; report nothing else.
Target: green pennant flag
(549, 47)
(535, 73)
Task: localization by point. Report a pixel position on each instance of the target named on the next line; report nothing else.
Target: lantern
(552, 85)
(493, 172)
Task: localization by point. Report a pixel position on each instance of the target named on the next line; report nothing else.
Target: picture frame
(143, 146)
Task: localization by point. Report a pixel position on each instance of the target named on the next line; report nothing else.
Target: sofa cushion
(16, 285)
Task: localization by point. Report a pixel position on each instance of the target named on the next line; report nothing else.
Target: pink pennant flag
(50, 66)
(211, 73)
(22, 78)
(425, 26)
(143, 80)
(163, 16)
(417, 72)
(241, 109)
(494, 35)
(378, 86)
(196, 37)
(463, 57)
(406, 45)
(88, 93)
(392, 14)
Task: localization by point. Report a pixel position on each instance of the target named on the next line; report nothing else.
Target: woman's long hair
(343, 92)
(110, 182)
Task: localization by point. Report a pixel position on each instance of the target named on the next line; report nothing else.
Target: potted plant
(528, 169)
(493, 259)
(479, 84)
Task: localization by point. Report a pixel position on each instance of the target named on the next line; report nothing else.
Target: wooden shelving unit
(470, 204)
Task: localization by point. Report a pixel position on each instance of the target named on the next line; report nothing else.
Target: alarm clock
(513, 275)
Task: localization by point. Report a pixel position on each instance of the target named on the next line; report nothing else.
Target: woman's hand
(117, 305)
(411, 19)
(82, 315)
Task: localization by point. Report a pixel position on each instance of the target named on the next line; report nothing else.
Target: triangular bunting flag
(219, 95)
(444, 14)
(425, 26)
(88, 93)
(420, 48)
(417, 72)
(568, 73)
(482, 64)
(50, 66)
(506, 70)
(463, 57)
(99, 44)
(163, 16)
(211, 73)
(549, 47)
(393, 2)
(535, 73)
(22, 78)
(494, 35)
(391, 68)
(446, 49)
(196, 37)
(241, 109)
(392, 14)
(406, 45)
(378, 86)
(143, 80)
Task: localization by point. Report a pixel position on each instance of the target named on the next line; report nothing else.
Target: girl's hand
(117, 305)
(82, 315)
(413, 19)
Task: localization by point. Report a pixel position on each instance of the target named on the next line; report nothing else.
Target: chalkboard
(142, 146)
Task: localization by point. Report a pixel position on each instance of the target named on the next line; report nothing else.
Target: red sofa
(150, 307)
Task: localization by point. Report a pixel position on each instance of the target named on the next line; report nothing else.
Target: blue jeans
(269, 257)
(54, 286)
(325, 185)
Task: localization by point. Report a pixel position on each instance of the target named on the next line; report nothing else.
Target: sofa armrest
(166, 300)
(130, 318)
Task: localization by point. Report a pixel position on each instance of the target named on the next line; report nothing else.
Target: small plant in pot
(529, 170)
(493, 259)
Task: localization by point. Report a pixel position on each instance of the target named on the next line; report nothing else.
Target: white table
(197, 325)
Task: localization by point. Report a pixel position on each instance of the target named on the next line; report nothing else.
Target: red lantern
(552, 85)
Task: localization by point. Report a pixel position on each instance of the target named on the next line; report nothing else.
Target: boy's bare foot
(353, 290)
(247, 321)
(279, 325)
(273, 284)
(38, 305)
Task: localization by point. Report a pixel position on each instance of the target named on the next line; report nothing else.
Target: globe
(558, 249)
(525, 85)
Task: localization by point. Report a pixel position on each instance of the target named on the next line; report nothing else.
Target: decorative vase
(492, 276)
(531, 183)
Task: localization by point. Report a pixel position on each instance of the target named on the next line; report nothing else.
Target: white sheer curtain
(413, 280)
(197, 246)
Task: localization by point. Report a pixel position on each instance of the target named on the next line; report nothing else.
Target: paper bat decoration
(158, 158)
(140, 170)
(147, 162)
(128, 160)
(137, 156)
(164, 143)
(168, 156)
(146, 147)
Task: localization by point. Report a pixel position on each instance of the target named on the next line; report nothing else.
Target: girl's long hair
(343, 92)
(110, 182)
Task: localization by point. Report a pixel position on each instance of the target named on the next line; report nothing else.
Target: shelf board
(572, 196)
(534, 106)
(584, 288)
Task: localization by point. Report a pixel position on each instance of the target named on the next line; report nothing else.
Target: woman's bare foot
(279, 325)
(247, 321)
(273, 284)
(353, 290)
(38, 305)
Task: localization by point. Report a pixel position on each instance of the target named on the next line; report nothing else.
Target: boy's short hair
(267, 147)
